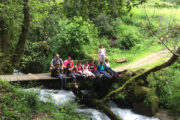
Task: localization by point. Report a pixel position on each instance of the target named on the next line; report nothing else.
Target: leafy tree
(73, 37)
(12, 36)
(91, 9)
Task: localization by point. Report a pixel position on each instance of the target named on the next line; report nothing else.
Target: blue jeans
(96, 73)
(112, 72)
(107, 75)
(73, 76)
(63, 81)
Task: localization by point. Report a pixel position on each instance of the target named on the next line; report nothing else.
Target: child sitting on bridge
(69, 71)
(93, 69)
(109, 70)
(69, 60)
(79, 70)
(101, 68)
(87, 72)
(55, 72)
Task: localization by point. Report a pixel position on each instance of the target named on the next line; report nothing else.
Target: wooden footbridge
(29, 77)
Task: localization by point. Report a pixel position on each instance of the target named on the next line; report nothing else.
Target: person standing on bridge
(55, 72)
(101, 53)
(54, 62)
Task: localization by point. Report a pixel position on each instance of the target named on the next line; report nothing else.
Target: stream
(60, 97)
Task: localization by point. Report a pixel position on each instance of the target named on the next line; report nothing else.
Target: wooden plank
(33, 76)
(25, 77)
(29, 77)
(7, 78)
(14, 78)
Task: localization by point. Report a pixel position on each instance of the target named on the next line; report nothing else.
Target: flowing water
(60, 97)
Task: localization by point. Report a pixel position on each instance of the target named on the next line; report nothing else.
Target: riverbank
(49, 104)
(20, 105)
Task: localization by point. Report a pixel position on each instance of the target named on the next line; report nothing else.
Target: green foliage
(33, 61)
(11, 16)
(73, 37)
(68, 112)
(17, 104)
(91, 9)
(127, 36)
(166, 82)
(162, 4)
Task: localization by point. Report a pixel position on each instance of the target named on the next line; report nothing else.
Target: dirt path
(144, 61)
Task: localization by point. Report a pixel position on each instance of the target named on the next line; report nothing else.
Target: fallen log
(121, 60)
(172, 60)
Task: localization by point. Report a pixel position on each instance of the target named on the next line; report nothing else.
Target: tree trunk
(4, 38)
(20, 47)
(173, 59)
(4, 44)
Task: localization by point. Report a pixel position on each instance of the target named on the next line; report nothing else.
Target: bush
(167, 85)
(102, 21)
(34, 60)
(128, 36)
(73, 37)
(163, 4)
(17, 104)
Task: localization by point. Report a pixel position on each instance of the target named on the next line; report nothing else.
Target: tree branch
(173, 59)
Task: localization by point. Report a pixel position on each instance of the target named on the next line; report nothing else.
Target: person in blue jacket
(101, 68)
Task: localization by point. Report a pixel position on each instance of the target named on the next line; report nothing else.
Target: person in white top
(109, 70)
(87, 72)
(102, 54)
(107, 63)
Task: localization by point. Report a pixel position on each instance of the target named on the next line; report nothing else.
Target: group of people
(58, 67)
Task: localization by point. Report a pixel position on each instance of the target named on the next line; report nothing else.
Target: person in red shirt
(68, 61)
(65, 64)
(93, 69)
(79, 70)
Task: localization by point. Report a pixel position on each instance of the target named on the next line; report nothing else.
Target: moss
(154, 104)
(140, 82)
(141, 90)
(149, 97)
(179, 118)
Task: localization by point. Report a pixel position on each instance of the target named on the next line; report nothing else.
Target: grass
(16, 104)
(147, 43)
(132, 55)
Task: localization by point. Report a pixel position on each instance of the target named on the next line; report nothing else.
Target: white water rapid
(60, 97)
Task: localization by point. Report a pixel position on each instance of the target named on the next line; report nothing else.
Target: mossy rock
(154, 104)
(179, 118)
(141, 82)
(146, 101)
(140, 92)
